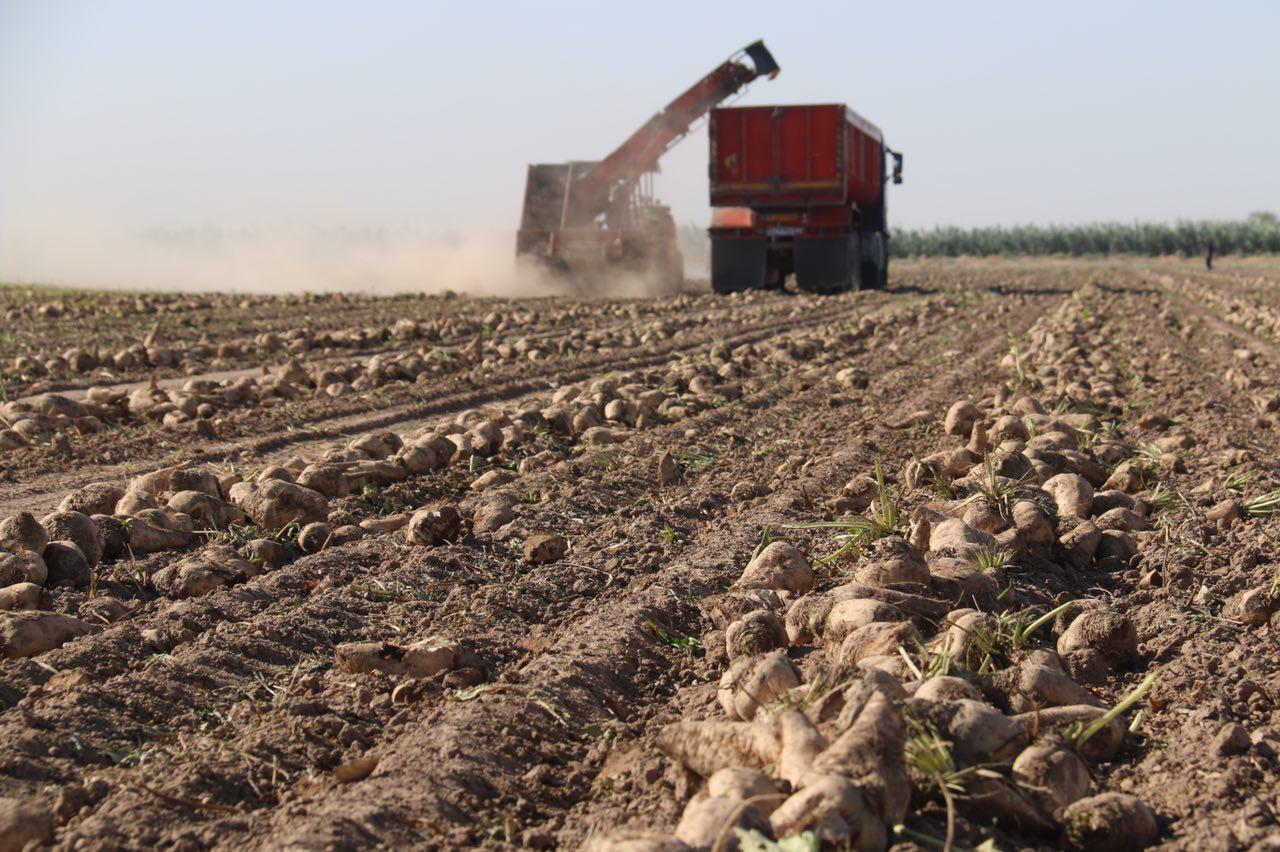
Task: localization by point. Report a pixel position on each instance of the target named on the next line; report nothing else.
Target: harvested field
(988, 557)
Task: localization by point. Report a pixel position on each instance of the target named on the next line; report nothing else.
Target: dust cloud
(373, 261)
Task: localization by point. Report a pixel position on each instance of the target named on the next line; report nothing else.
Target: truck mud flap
(827, 265)
(737, 265)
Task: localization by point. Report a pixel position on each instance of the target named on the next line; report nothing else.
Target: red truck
(798, 190)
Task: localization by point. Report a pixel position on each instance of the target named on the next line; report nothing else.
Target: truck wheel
(827, 265)
(874, 269)
(773, 277)
(779, 262)
(737, 265)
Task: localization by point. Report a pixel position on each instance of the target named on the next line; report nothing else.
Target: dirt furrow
(586, 664)
(991, 445)
(328, 422)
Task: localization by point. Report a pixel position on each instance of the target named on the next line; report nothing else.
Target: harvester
(589, 218)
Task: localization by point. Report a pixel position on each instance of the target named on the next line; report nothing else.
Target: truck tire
(737, 265)
(774, 279)
(827, 265)
(874, 269)
(779, 263)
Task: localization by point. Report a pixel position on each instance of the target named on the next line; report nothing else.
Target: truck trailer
(798, 190)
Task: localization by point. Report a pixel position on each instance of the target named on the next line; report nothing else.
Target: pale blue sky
(421, 114)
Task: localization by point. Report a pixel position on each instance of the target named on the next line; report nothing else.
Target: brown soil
(218, 721)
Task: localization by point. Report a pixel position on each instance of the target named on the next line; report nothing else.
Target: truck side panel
(863, 153)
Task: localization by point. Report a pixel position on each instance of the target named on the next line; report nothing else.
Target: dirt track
(217, 720)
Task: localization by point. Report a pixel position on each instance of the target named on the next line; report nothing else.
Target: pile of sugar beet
(52, 418)
(920, 683)
(175, 508)
(199, 403)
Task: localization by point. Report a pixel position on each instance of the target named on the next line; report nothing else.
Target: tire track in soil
(446, 763)
(43, 494)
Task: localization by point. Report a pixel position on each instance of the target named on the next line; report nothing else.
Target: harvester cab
(585, 218)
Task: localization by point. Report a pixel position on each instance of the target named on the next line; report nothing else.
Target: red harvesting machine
(585, 217)
(798, 190)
